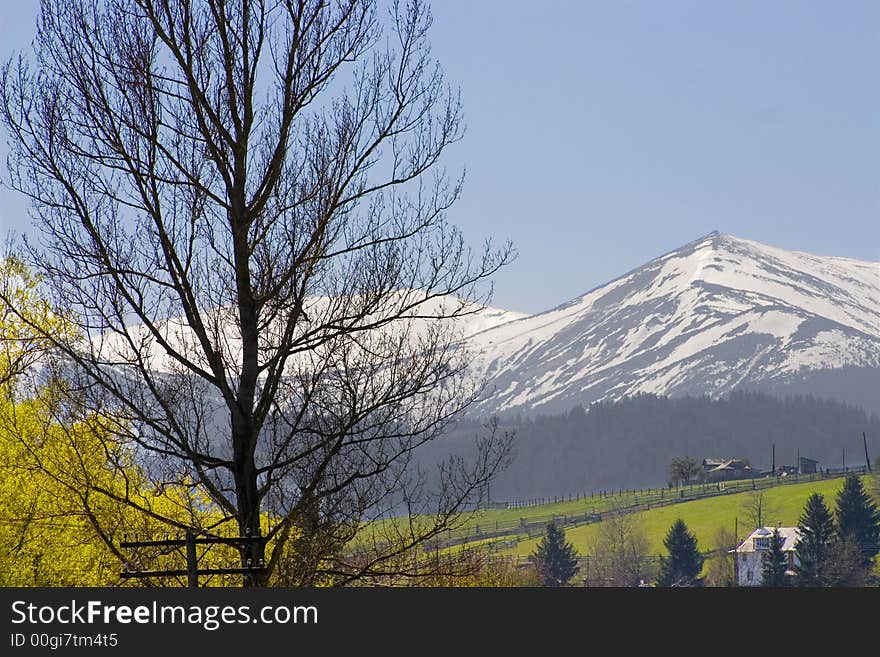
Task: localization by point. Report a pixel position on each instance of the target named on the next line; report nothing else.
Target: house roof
(790, 534)
(727, 464)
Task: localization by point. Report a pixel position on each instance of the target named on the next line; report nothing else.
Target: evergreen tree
(815, 543)
(774, 562)
(683, 566)
(555, 559)
(858, 519)
(845, 566)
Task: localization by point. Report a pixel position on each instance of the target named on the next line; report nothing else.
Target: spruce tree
(683, 565)
(555, 559)
(845, 567)
(858, 519)
(815, 543)
(774, 562)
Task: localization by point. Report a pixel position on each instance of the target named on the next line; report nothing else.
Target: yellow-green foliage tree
(69, 494)
(67, 501)
(41, 534)
(21, 308)
(46, 535)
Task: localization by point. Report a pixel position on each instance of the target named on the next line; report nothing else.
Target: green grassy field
(704, 517)
(488, 518)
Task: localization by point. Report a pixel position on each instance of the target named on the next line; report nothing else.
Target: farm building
(725, 469)
(807, 466)
(750, 554)
(804, 466)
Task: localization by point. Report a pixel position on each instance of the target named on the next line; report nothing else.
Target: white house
(750, 554)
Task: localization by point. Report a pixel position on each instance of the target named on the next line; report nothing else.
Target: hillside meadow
(705, 517)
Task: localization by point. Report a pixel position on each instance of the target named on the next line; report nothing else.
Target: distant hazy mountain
(225, 337)
(716, 315)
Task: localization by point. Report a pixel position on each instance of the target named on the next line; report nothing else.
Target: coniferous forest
(630, 443)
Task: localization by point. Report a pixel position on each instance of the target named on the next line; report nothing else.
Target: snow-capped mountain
(717, 314)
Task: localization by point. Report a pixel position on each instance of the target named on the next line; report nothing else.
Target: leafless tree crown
(243, 206)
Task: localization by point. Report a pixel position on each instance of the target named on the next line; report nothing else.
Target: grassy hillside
(488, 518)
(516, 531)
(704, 517)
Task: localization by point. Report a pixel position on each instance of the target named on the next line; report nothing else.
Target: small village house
(750, 554)
(725, 469)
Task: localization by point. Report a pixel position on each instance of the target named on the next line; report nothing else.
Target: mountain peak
(718, 240)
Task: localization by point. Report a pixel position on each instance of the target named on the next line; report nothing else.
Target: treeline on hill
(630, 443)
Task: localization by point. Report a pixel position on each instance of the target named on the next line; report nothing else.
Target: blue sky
(601, 134)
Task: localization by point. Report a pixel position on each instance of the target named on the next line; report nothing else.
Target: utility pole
(192, 570)
(773, 467)
(867, 460)
(192, 562)
(844, 459)
(735, 553)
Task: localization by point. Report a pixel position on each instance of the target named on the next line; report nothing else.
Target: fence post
(191, 561)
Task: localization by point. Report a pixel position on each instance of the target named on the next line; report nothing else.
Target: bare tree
(720, 567)
(242, 207)
(620, 551)
(758, 508)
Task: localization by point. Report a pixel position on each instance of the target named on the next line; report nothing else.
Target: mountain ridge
(716, 314)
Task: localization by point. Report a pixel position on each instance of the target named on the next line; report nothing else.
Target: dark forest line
(630, 443)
